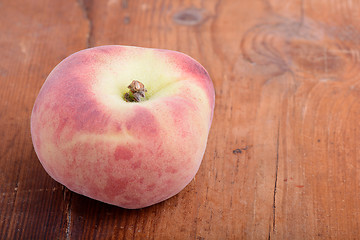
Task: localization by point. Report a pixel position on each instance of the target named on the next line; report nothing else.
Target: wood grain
(282, 160)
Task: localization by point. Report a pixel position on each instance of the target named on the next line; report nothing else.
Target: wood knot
(189, 17)
(239, 150)
(285, 45)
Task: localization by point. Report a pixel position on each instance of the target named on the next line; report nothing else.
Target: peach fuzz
(129, 154)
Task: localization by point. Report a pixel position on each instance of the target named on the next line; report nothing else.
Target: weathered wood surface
(286, 75)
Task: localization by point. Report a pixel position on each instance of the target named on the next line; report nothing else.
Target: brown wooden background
(286, 75)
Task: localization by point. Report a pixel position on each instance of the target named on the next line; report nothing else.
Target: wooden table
(283, 155)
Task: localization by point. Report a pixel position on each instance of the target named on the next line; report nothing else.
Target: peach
(129, 154)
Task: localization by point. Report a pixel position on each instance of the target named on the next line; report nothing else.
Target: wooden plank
(282, 155)
(34, 37)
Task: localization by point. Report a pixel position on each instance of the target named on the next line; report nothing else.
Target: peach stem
(136, 93)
